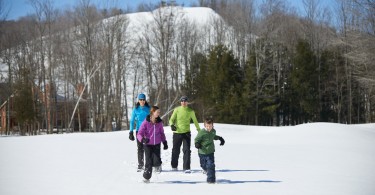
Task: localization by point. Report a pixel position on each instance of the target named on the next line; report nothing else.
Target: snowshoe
(157, 169)
(146, 180)
(187, 171)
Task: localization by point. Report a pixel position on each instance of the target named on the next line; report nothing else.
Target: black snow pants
(153, 159)
(183, 139)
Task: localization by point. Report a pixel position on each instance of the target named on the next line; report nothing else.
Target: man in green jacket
(180, 125)
(206, 149)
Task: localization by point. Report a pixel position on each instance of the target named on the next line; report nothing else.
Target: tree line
(261, 64)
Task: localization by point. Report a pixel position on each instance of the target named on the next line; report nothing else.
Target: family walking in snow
(150, 135)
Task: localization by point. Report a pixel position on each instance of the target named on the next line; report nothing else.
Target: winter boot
(157, 169)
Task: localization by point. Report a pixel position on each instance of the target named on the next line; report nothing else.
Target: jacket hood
(158, 120)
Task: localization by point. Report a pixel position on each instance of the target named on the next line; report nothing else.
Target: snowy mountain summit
(141, 23)
(199, 15)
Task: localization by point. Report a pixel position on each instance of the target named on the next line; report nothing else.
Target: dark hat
(184, 98)
(141, 96)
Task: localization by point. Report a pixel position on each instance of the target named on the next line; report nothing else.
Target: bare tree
(43, 21)
(317, 32)
(271, 56)
(240, 16)
(113, 45)
(360, 40)
(161, 45)
(87, 17)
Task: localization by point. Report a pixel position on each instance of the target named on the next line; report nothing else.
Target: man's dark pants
(183, 139)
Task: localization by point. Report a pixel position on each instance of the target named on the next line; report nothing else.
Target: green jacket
(206, 140)
(181, 118)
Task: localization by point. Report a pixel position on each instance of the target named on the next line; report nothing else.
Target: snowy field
(316, 159)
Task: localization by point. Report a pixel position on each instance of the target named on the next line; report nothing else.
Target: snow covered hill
(317, 158)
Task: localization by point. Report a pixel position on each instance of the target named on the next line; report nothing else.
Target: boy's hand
(198, 145)
(222, 141)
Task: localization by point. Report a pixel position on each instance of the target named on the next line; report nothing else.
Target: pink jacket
(154, 132)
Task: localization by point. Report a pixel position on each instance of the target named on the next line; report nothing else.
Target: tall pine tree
(305, 85)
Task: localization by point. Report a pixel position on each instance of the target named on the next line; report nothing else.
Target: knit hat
(141, 96)
(184, 98)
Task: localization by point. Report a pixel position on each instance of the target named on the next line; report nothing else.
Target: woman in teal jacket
(141, 110)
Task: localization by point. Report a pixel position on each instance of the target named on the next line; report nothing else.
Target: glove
(145, 140)
(174, 128)
(165, 144)
(198, 145)
(222, 141)
(131, 136)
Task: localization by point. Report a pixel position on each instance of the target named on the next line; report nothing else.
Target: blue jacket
(138, 116)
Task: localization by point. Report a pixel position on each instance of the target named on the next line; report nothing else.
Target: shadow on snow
(231, 170)
(221, 181)
(221, 170)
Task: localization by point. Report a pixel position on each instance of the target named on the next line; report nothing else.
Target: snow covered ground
(316, 158)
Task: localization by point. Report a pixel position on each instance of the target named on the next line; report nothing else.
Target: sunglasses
(142, 100)
(183, 100)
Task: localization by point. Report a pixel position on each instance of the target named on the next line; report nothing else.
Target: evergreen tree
(224, 84)
(304, 80)
(23, 102)
(215, 84)
(195, 85)
(249, 90)
(327, 87)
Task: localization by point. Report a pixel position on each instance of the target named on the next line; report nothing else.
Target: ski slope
(315, 158)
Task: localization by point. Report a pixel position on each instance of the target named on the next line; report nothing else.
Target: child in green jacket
(204, 141)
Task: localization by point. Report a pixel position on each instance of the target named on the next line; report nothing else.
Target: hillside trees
(240, 14)
(67, 67)
(273, 51)
(43, 21)
(86, 35)
(104, 47)
(272, 68)
(305, 84)
(24, 109)
(166, 54)
(355, 41)
(218, 83)
(318, 33)
(113, 50)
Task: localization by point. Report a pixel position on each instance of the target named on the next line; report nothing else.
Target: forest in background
(261, 65)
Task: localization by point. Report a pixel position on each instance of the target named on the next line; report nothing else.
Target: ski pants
(152, 154)
(207, 162)
(183, 139)
(140, 153)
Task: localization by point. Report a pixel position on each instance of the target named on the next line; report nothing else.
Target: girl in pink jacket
(151, 134)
